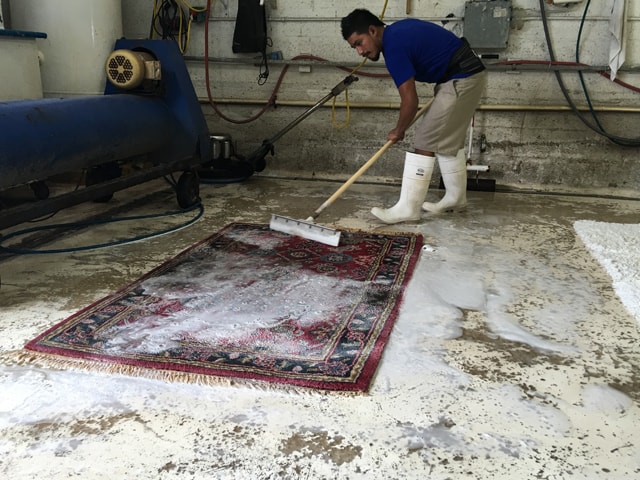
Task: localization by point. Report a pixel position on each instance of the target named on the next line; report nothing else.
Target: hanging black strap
(250, 34)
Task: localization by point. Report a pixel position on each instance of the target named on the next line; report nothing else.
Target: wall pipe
(527, 18)
(512, 66)
(394, 106)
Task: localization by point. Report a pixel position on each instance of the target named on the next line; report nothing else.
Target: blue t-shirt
(415, 48)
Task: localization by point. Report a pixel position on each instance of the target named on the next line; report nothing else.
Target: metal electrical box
(487, 24)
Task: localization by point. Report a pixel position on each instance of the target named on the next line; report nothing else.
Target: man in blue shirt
(419, 51)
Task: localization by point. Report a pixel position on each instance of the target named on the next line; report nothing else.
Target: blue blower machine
(148, 117)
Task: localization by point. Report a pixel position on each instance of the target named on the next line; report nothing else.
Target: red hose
(568, 64)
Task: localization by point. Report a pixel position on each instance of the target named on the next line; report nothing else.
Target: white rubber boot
(415, 183)
(454, 177)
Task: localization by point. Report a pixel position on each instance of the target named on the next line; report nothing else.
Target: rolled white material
(617, 46)
(477, 168)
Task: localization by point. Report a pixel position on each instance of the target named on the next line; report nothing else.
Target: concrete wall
(523, 130)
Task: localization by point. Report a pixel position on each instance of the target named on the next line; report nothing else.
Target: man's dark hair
(359, 21)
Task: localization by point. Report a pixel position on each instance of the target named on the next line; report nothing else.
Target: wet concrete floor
(513, 357)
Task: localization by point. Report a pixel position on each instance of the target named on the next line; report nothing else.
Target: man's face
(366, 44)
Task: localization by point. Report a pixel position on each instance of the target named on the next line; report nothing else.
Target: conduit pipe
(508, 66)
(394, 106)
(527, 18)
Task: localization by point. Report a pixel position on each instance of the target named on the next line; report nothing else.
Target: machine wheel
(40, 190)
(188, 189)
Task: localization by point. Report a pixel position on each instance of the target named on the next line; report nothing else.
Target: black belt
(463, 60)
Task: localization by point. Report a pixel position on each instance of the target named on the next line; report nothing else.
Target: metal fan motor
(126, 69)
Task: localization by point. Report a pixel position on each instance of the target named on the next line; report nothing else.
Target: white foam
(236, 299)
(603, 398)
(449, 283)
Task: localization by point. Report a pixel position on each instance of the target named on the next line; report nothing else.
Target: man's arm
(408, 109)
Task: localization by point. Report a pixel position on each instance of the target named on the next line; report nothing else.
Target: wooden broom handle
(364, 167)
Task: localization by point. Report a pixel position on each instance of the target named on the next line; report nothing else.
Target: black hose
(75, 225)
(623, 141)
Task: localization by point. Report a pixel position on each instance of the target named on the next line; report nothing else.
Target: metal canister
(221, 147)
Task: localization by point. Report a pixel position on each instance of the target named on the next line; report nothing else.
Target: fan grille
(126, 69)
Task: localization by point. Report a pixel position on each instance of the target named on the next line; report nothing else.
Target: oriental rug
(247, 304)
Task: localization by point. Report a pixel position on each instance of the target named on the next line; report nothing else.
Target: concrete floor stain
(320, 444)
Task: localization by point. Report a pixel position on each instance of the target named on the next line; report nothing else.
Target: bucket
(80, 37)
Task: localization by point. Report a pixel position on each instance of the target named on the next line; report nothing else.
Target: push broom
(312, 231)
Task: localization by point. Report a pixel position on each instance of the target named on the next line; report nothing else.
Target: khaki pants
(443, 127)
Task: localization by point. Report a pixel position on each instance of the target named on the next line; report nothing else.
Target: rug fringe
(57, 362)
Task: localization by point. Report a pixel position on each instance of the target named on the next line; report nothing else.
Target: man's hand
(408, 109)
(395, 135)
